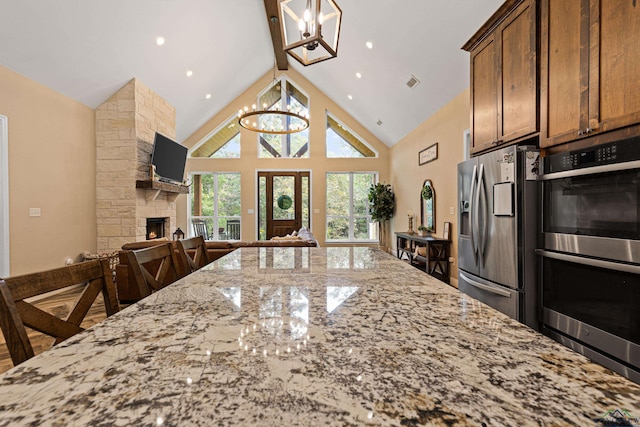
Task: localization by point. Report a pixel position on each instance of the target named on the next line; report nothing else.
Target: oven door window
(606, 299)
(603, 205)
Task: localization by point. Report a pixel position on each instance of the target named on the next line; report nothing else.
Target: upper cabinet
(590, 80)
(504, 76)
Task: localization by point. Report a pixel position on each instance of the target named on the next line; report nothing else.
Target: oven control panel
(615, 152)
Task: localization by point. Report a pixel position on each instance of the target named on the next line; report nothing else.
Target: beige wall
(317, 163)
(51, 167)
(446, 127)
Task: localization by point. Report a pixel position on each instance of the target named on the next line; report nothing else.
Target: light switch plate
(315, 211)
(34, 211)
(451, 211)
(249, 211)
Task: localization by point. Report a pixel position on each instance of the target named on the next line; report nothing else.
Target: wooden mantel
(154, 188)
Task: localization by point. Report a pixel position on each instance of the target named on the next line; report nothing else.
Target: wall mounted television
(169, 158)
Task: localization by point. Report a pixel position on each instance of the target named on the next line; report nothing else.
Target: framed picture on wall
(427, 155)
(446, 231)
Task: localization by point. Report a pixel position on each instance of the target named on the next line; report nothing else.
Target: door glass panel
(262, 208)
(305, 202)
(284, 197)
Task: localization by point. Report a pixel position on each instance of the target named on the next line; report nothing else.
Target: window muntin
(341, 142)
(222, 143)
(215, 198)
(348, 217)
(283, 95)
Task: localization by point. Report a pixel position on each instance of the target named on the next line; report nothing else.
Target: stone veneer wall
(125, 129)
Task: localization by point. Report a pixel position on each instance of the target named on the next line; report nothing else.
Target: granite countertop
(311, 336)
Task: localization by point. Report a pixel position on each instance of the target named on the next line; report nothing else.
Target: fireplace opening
(155, 228)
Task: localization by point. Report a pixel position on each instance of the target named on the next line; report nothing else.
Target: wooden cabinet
(590, 80)
(504, 76)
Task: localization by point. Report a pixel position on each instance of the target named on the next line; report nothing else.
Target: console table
(436, 257)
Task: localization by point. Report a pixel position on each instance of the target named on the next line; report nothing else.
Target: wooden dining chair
(200, 228)
(154, 268)
(200, 258)
(16, 313)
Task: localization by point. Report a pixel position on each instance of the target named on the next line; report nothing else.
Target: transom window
(342, 142)
(280, 95)
(348, 217)
(222, 143)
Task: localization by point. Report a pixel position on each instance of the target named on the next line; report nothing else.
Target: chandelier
(274, 119)
(310, 29)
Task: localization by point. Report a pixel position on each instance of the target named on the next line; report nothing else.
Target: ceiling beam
(271, 8)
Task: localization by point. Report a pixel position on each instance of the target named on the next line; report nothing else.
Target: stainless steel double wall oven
(590, 260)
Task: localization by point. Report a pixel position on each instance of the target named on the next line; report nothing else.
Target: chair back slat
(16, 313)
(197, 246)
(154, 268)
(15, 334)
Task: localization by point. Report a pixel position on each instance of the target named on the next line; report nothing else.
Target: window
(222, 143)
(282, 95)
(348, 215)
(214, 201)
(341, 142)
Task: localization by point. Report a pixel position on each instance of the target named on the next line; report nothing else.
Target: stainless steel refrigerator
(497, 199)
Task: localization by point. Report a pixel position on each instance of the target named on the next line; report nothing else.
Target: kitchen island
(311, 336)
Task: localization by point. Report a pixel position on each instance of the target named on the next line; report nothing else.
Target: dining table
(309, 336)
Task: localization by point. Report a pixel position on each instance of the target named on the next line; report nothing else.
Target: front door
(284, 203)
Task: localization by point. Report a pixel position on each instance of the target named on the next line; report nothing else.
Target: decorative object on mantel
(428, 206)
(310, 29)
(427, 155)
(270, 119)
(381, 205)
(178, 234)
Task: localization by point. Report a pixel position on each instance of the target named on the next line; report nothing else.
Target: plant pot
(423, 233)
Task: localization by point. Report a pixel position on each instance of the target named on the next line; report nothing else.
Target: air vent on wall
(413, 82)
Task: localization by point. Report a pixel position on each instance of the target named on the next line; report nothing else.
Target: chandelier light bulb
(320, 18)
(301, 25)
(307, 15)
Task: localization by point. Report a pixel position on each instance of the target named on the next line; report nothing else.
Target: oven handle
(627, 268)
(484, 287)
(591, 170)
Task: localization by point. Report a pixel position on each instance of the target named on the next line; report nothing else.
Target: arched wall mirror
(428, 206)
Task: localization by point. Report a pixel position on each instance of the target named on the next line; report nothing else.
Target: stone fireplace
(125, 129)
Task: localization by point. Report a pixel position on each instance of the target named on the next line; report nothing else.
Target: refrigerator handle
(472, 210)
(478, 211)
(482, 207)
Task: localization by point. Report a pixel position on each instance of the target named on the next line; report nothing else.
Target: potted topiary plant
(381, 205)
(423, 231)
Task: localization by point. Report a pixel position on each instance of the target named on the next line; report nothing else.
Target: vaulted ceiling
(88, 49)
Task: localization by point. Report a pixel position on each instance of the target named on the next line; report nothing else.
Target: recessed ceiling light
(189, 73)
(369, 45)
(349, 96)
(160, 41)
(358, 75)
(208, 96)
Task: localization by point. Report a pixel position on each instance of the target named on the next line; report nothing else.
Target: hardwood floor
(59, 305)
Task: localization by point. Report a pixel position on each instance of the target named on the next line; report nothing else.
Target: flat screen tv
(169, 158)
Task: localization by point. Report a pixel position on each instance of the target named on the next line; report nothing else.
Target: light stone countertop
(310, 336)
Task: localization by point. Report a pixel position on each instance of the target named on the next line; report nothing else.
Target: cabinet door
(518, 97)
(615, 24)
(484, 95)
(565, 70)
